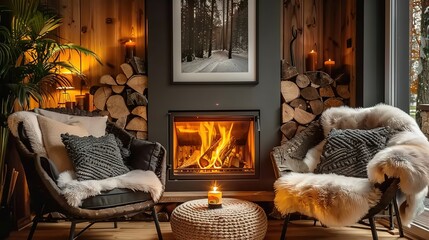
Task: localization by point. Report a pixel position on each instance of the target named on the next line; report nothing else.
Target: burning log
(192, 160)
(235, 162)
(208, 152)
(226, 151)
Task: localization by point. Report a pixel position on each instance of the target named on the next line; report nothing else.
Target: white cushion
(51, 134)
(95, 126)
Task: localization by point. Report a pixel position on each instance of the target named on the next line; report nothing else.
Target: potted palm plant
(30, 62)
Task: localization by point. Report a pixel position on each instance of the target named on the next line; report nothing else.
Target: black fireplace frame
(214, 115)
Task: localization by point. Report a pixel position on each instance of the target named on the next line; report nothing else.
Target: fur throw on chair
(406, 157)
(137, 180)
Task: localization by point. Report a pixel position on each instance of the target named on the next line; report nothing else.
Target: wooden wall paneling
(69, 10)
(132, 19)
(106, 30)
(332, 38)
(313, 28)
(292, 16)
(98, 24)
(139, 26)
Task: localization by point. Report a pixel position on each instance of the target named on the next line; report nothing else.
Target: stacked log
(123, 99)
(305, 96)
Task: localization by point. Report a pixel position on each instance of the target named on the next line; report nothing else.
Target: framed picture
(214, 41)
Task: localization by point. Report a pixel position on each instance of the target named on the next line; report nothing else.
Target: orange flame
(208, 134)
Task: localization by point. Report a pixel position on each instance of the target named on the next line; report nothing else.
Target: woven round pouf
(237, 219)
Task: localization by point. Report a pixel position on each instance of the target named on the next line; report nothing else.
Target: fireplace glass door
(211, 145)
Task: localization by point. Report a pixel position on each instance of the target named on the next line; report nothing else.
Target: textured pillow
(348, 151)
(94, 158)
(289, 156)
(51, 134)
(95, 126)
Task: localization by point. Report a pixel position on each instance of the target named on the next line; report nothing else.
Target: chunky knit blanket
(340, 201)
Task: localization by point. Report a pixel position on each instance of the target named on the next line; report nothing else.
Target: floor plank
(299, 230)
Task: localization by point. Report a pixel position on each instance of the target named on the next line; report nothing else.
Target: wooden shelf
(253, 196)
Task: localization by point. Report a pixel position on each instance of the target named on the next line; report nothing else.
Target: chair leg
(284, 228)
(72, 229)
(373, 229)
(398, 217)
(155, 219)
(33, 227)
(36, 220)
(391, 225)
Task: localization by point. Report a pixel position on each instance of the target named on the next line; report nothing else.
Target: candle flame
(215, 188)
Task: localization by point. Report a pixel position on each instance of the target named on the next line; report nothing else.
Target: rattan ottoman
(237, 219)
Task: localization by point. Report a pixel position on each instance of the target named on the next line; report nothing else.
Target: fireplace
(214, 145)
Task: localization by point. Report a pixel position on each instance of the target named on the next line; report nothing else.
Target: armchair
(43, 175)
(382, 139)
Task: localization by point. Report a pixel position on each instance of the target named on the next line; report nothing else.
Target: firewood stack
(304, 98)
(124, 100)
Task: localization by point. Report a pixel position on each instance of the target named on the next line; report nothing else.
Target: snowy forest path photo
(218, 62)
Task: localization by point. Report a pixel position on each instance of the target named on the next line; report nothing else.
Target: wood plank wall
(327, 27)
(102, 26)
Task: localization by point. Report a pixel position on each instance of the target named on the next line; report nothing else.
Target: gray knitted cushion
(348, 151)
(94, 158)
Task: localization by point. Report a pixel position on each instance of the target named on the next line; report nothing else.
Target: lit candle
(328, 66)
(215, 198)
(311, 63)
(130, 50)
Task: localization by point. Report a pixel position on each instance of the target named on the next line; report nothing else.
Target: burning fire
(217, 145)
(211, 146)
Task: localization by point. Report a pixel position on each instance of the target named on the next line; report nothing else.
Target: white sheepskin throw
(333, 199)
(406, 158)
(137, 180)
(406, 155)
(32, 129)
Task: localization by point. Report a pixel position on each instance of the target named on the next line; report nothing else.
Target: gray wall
(402, 70)
(264, 96)
(370, 52)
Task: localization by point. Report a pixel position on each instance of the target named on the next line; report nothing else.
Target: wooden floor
(302, 229)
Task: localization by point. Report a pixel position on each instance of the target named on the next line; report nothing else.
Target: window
(419, 80)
